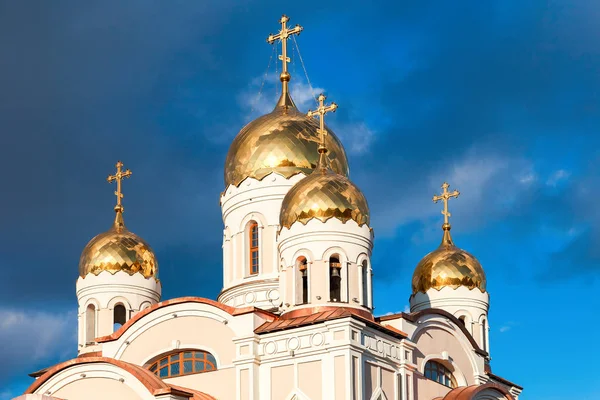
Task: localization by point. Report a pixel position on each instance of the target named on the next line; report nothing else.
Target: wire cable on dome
(312, 91)
(262, 85)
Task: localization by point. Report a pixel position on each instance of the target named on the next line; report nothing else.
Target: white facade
(108, 300)
(306, 253)
(260, 202)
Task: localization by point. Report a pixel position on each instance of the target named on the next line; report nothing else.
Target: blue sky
(499, 98)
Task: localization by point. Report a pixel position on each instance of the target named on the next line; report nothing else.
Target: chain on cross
(445, 196)
(320, 112)
(119, 176)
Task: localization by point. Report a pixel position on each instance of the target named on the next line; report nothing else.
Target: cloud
(558, 176)
(35, 339)
(504, 328)
(263, 92)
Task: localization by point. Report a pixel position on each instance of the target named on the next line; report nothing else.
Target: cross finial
(445, 196)
(283, 35)
(320, 112)
(119, 176)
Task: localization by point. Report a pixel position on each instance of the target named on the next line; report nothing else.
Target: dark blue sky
(499, 98)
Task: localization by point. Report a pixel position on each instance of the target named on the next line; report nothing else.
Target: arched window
(461, 319)
(484, 335)
(335, 278)
(439, 373)
(90, 323)
(183, 363)
(301, 280)
(119, 316)
(365, 283)
(253, 246)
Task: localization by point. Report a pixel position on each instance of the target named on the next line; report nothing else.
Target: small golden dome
(284, 141)
(448, 266)
(118, 250)
(324, 194)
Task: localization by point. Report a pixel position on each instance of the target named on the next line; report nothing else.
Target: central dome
(324, 194)
(284, 141)
(118, 250)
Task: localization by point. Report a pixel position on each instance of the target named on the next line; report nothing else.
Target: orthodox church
(294, 320)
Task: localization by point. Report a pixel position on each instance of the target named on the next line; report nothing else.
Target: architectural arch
(464, 343)
(260, 219)
(119, 300)
(466, 318)
(119, 376)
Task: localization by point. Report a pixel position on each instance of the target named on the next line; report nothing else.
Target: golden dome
(284, 141)
(118, 250)
(324, 194)
(448, 266)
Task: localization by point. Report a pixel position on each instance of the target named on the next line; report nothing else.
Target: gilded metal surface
(118, 249)
(445, 196)
(448, 265)
(284, 141)
(324, 195)
(283, 36)
(320, 112)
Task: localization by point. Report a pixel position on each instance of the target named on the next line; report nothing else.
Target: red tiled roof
(153, 383)
(180, 300)
(469, 392)
(320, 317)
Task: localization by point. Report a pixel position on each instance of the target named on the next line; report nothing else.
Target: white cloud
(356, 137)
(504, 328)
(407, 309)
(34, 336)
(260, 98)
(557, 177)
(479, 200)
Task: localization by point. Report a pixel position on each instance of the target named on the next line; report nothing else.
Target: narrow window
(301, 280)
(90, 323)
(335, 278)
(484, 335)
(253, 241)
(365, 283)
(119, 316)
(439, 373)
(462, 321)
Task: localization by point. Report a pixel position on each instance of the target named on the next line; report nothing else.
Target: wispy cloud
(262, 94)
(43, 336)
(557, 177)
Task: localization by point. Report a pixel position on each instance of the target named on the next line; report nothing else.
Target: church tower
(118, 276)
(267, 157)
(453, 280)
(325, 240)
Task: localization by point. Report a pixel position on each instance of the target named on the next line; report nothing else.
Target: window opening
(335, 278)
(253, 240)
(439, 373)
(183, 363)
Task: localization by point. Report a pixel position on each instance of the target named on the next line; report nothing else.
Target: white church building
(294, 319)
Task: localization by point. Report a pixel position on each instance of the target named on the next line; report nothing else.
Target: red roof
(153, 383)
(320, 317)
(469, 392)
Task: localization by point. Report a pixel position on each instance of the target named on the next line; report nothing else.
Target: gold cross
(119, 176)
(320, 112)
(283, 35)
(445, 196)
